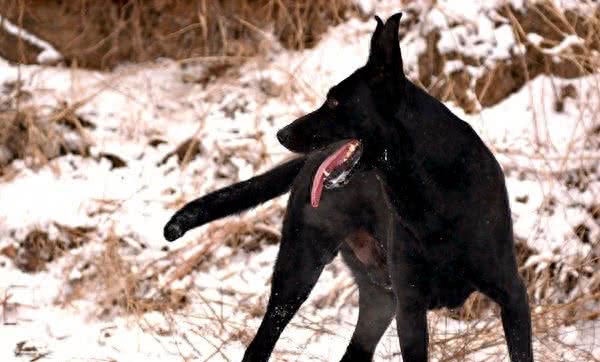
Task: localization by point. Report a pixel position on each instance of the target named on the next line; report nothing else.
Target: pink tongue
(327, 166)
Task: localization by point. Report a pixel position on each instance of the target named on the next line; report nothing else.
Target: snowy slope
(76, 308)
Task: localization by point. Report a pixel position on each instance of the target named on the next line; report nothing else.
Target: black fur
(423, 222)
(233, 199)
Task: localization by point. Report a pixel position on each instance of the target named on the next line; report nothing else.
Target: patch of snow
(568, 42)
(48, 55)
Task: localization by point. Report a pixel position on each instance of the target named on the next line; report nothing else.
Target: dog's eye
(332, 103)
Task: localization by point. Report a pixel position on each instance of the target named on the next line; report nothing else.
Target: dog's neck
(395, 155)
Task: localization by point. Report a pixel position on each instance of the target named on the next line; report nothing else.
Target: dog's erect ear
(378, 29)
(385, 47)
(375, 40)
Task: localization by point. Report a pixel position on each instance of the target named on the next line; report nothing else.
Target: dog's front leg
(299, 264)
(376, 310)
(410, 287)
(411, 322)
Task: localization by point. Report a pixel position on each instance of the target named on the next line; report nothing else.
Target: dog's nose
(283, 136)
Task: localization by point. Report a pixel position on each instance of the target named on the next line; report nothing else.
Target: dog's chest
(444, 287)
(367, 249)
(447, 287)
(365, 255)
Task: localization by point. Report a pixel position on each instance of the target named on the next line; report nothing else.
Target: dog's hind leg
(516, 321)
(302, 256)
(501, 282)
(376, 310)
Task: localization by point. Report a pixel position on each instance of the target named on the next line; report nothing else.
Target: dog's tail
(234, 198)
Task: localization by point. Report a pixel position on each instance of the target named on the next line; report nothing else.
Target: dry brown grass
(22, 135)
(38, 136)
(121, 284)
(100, 34)
(116, 283)
(37, 248)
(486, 336)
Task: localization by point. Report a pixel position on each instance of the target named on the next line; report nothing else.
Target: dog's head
(358, 107)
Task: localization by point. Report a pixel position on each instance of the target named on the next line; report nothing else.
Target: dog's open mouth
(335, 171)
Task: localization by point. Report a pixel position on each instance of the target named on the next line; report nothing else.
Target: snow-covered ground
(123, 293)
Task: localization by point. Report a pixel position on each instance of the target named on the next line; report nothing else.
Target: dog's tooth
(352, 148)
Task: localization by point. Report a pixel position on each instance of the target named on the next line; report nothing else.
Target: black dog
(423, 221)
